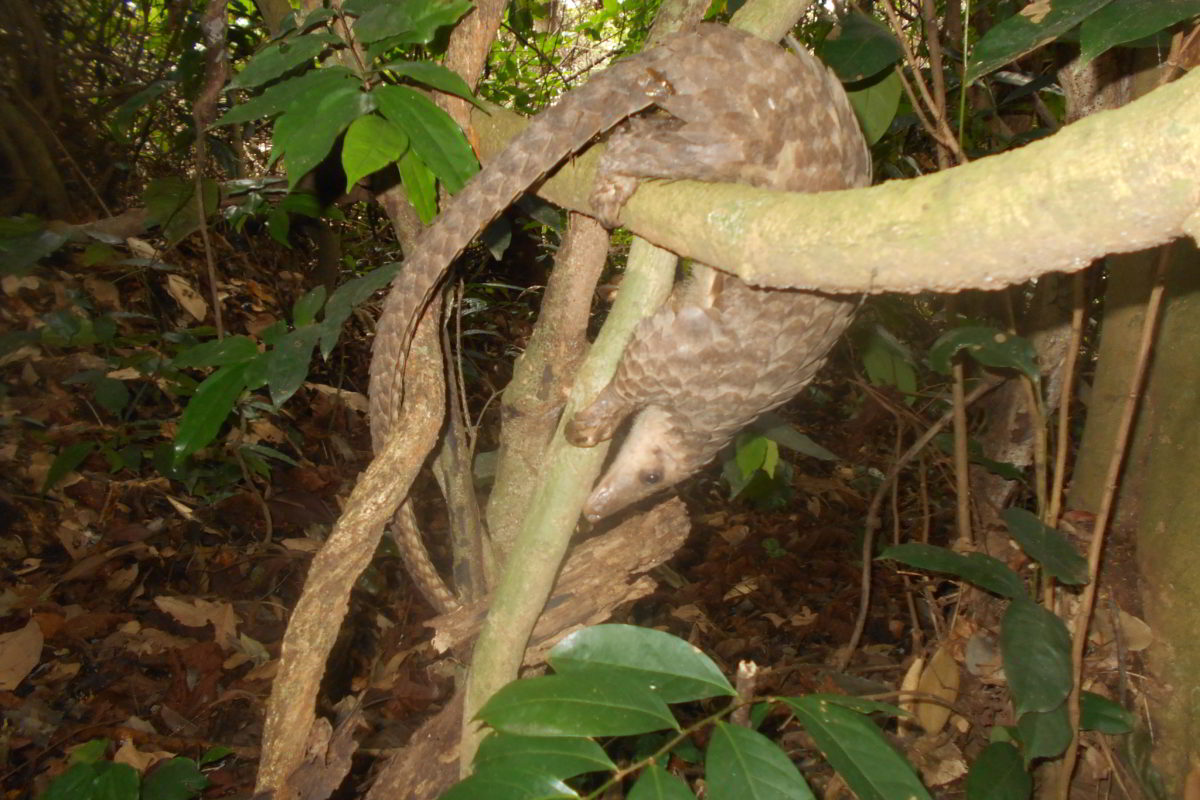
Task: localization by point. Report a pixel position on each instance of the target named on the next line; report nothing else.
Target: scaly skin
(742, 109)
(719, 353)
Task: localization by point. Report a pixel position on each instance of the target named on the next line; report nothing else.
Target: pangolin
(719, 353)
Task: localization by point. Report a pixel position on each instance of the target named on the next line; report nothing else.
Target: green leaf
(875, 104)
(77, 783)
(89, 752)
(171, 204)
(114, 781)
(510, 783)
(276, 59)
(309, 141)
(655, 783)
(1124, 21)
(988, 346)
(1047, 547)
(787, 435)
(1097, 713)
(863, 47)
(1036, 649)
(217, 353)
(208, 409)
(408, 23)
(344, 299)
(279, 225)
(214, 754)
(888, 363)
(435, 75)
(67, 459)
(304, 310)
(559, 757)
(982, 570)
(308, 88)
(111, 394)
(431, 132)
(855, 747)
(122, 120)
(741, 763)
(177, 779)
(1025, 31)
(23, 242)
(594, 704)
(676, 670)
(371, 144)
(999, 774)
(420, 185)
(288, 362)
(754, 453)
(860, 705)
(1044, 734)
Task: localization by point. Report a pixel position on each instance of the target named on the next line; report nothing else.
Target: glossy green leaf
(288, 362)
(855, 747)
(308, 88)
(754, 452)
(217, 353)
(67, 459)
(1036, 649)
(407, 23)
(741, 763)
(863, 47)
(655, 783)
(431, 132)
(276, 59)
(1097, 713)
(420, 185)
(114, 781)
(999, 774)
(1044, 734)
(677, 671)
(1047, 546)
(988, 346)
(594, 704)
(1123, 21)
(208, 409)
(984, 571)
(557, 756)
(1035, 25)
(304, 310)
(371, 144)
(435, 75)
(309, 143)
(510, 783)
(176, 779)
(256, 368)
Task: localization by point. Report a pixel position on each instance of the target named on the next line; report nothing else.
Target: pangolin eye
(651, 476)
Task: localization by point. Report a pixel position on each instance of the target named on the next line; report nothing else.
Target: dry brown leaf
(20, 652)
(188, 298)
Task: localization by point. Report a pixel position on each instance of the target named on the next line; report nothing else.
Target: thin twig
(1120, 447)
(872, 521)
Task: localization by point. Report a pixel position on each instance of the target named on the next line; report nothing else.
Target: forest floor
(148, 612)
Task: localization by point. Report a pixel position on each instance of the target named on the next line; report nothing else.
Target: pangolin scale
(719, 352)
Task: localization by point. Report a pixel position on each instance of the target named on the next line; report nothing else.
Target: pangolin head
(655, 454)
